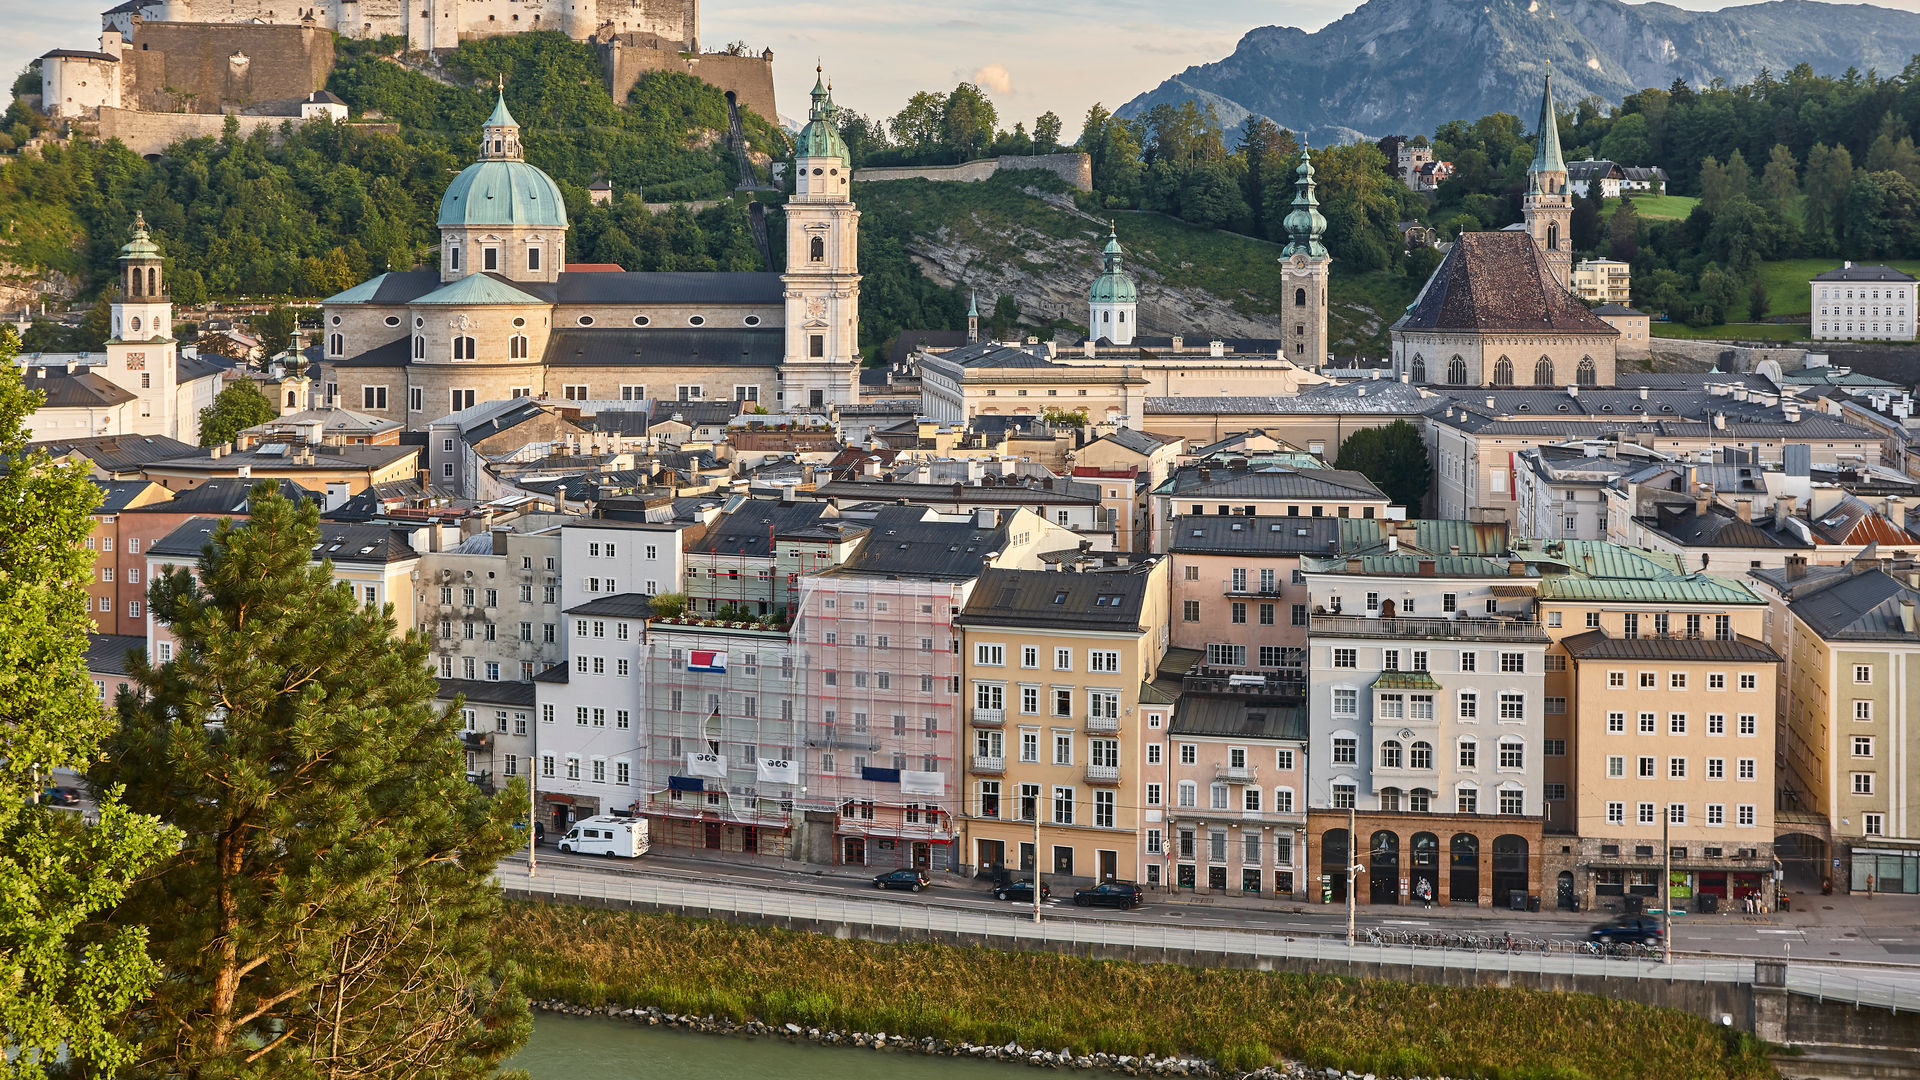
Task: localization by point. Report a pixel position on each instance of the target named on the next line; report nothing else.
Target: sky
(1030, 55)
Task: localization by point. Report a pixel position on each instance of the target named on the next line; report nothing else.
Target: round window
(586, 320)
(519, 322)
(641, 320)
(696, 320)
(336, 320)
(816, 172)
(833, 172)
(753, 320)
(393, 320)
(419, 322)
(136, 322)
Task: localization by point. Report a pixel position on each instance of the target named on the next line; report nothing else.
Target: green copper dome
(1305, 224)
(500, 189)
(821, 137)
(140, 246)
(1114, 285)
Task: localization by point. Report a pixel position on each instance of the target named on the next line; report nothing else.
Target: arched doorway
(1509, 867)
(1803, 858)
(1333, 864)
(1563, 892)
(1383, 876)
(1423, 876)
(1463, 870)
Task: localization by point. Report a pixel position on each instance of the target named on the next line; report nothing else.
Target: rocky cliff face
(1407, 66)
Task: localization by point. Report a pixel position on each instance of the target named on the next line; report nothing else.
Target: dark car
(1021, 890)
(912, 880)
(1632, 930)
(62, 796)
(1120, 894)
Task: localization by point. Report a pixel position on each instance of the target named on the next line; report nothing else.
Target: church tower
(1304, 264)
(1113, 303)
(140, 355)
(822, 281)
(1548, 206)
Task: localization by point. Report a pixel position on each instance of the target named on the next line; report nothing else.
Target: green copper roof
(502, 193)
(1405, 680)
(360, 293)
(1691, 589)
(501, 117)
(1114, 285)
(1546, 143)
(140, 246)
(821, 137)
(1600, 559)
(478, 289)
(1305, 224)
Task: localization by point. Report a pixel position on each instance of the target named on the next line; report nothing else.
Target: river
(583, 1048)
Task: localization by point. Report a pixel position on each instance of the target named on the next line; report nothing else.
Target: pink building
(1236, 593)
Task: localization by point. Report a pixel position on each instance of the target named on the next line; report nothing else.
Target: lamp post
(1666, 883)
(1353, 868)
(1036, 858)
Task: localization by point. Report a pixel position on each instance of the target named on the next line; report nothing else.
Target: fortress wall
(1075, 169)
(209, 68)
(749, 77)
(147, 133)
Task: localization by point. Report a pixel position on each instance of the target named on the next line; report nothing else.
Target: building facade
(1857, 302)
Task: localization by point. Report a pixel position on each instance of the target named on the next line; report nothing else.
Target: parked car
(1021, 890)
(912, 880)
(62, 796)
(1631, 930)
(1120, 894)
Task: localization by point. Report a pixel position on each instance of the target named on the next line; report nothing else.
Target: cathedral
(506, 316)
(1497, 310)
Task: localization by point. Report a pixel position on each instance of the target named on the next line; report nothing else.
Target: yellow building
(1053, 668)
(1603, 281)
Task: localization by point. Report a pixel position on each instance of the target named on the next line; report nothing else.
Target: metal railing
(1473, 629)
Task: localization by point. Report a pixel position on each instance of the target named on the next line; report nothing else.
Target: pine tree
(327, 913)
(62, 978)
(1780, 183)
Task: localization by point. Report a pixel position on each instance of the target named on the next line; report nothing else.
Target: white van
(607, 835)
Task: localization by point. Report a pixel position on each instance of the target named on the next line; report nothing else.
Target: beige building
(1603, 281)
(1636, 327)
(1053, 666)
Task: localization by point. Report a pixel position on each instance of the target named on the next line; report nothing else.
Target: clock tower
(141, 352)
(822, 357)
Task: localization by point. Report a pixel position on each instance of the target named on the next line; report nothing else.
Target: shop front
(1886, 868)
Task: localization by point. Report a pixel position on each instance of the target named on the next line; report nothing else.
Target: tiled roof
(1099, 601)
(761, 347)
(1498, 282)
(1238, 716)
(1597, 645)
(118, 453)
(1858, 272)
(1261, 534)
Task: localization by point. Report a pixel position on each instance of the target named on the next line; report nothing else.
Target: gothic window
(464, 348)
(1419, 370)
(517, 347)
(817, 250)
(336, 345)
(1543, 372)
(1299, 298)
(1553, 238)
(1503, 372)
(1457, 371)
(419, 348)
(1585, 375)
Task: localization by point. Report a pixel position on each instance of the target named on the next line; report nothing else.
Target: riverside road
(1877, 938)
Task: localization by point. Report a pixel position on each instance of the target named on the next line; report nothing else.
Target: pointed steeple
(821, 137)
(1546, 140)
(500, 134)
(973, 304)
(1305, 224)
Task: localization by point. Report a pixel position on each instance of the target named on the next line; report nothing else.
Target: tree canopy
(238, 407)
(1395, 458)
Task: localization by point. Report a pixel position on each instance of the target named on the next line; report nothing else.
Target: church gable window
(490, 258)
(1419, 370)
(517, 347)
(1543, 372)
(1503, 372)
(1457, 371)
(533, 260)
(1585, 375)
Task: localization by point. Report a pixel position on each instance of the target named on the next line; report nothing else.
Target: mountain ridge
(1406, 66)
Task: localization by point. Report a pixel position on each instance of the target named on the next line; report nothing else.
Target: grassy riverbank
(1243, 1018)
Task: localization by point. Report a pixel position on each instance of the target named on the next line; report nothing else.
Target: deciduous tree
(1394, 457)
(238, 407)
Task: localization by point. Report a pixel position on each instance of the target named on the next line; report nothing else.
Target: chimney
(1702, 498)
(1744, 508)
(1087, 349)
(1489, 401)
(1393, 545)
(1179, 343)
(1573, 390)
(985, 517)
(1216, 348)
(1796, 567)
(1643, 393)
(1517, 568)
(1782, 510)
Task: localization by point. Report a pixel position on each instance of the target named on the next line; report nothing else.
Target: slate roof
(1051, 599)
(115, 495)
(392, 354)
(107, 653)
(759, 347)
(1617, 309)
(480, 691)
(1063, 491)
(753, 527)
(80, 389)
(186, 541)
(1262, 534)
(661, 287)
(1597, 645)
(899, 544)
(1140, 442)
(1270, 483)
(1497, 282)
(1859, 272)
(622, 606)
(395, 287)
(1366, 397)
(226, 497)
(1863, 607)
(1239, 716)
(284, 458)
(1718, 528)
(356, 543)
(119, 453)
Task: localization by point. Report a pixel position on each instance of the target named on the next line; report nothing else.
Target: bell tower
(1548, 205)
(822, 280)
(1304, 264)
(140, 354)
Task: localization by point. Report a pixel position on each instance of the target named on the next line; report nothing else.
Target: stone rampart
(747, 76)
(149, 133)
(211, 68)
(1075, 169)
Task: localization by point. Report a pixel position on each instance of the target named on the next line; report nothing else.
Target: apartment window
(1677, 680)
(1190, 610)
(1062, 702)
(1103, 809)
(1863, 746)
(1862, 783)
(1717, 680)
(1616, 723)
(1676, 768)
(1189, 753)
(1649, 723)
(1749, 682)
(1716, 814)
(1345, 750)
(1616, 765)
(1648, 814)
(1467, 801)
(1593, 620)
(1469, 754)
(1063, 806)
(1238, 612)
(1153, 794)
(1469, 705)
(990, 655)
(1677, 723)
(1348, 658)
(1063, 659)
(1299, 616)
(1863, 674)
(1343, 796)
(1616, 813)
(1746, 818)
(373, 397)
(1647, 766)
(1062, 748)
(1513, 754)
(1716, 723)
(1676, 813)
(1346, 702)
(1870, 824)
(1863, 710)
(1616, 680)
(1513, 707)
(1716, 768)
(1649, 680)
(1513, 662)
(1749, 724)
(1513, 802)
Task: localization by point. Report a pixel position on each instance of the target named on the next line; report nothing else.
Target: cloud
(994, 79)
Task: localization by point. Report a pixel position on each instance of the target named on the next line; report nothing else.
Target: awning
(563, 800)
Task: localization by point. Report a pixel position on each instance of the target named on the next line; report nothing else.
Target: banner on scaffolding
(686, 783)
(922, 783)
(707, 660)
(776, 771)
(709, 765)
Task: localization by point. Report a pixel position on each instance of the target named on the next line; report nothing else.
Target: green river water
(581, 1048)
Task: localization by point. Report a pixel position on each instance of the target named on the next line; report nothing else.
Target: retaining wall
(1744, 357)
(749, 78)
(152, 132)
(1075, 169)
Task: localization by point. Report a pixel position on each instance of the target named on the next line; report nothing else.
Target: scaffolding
(879, 670)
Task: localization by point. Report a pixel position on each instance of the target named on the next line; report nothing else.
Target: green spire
(501, 117)
(140, 245)
(973, 304)
(1305, 224)
(1546, 140)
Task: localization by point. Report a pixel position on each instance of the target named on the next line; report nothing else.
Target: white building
(1603, 280)
(1855, 302)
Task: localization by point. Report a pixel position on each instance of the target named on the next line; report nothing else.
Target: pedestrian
(1423, 890)
(1869, 886)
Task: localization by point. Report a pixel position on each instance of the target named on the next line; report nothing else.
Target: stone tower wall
(210, 68)
(748, 77)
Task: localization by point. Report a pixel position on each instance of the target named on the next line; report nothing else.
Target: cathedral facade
(504, 316)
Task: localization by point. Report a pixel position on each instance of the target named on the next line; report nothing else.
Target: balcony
(1462, 629)
(477, 741)
(1250, 588)
(989, 717)
(1104, 775)
(1245, 774)
(985, 765)
(1096, 722)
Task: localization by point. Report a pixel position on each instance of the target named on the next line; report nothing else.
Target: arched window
(1503, 372)
(290, 399)
(1419, 370)
(153, 281)
(336, 345)
(1543, 372)
(1584, 375)
(419, 348)
(1457, 371)
(464, 348)
(1420, 756)
(133, 282)
(517, 347)
(1299, 298)
(817, 249)
(1389, 798)
(1553, 238)
(1390, 754)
